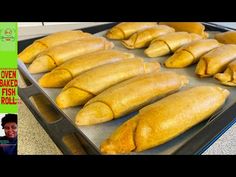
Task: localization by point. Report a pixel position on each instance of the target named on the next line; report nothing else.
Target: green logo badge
(7, 35)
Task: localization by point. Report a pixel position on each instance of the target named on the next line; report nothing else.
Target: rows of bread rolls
(188, 43)
(111, 84)
(41, 45)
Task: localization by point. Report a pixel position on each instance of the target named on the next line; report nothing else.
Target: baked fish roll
(191, 27)
(61, 75)
(129, 96)
(216, 60)
(143, 38)
(40, 45)
(226, 37)
(125, 29)
(190, 53)
(164, 120)
(169, 43)
(62, 53)
(91, 83)
(229, 76)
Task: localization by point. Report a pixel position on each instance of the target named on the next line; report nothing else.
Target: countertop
(33, 139)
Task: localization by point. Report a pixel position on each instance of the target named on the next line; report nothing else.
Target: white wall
(227, 24)
(1, 130)
(33, 29)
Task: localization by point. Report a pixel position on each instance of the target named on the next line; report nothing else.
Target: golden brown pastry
(168, 43)
(125, 29)
(229, 76)
(162, 121)
(61, 75)
(129, 96)
(216, 60)
(41, 45)
(91, 83)
(191, 27)
(62, 53)
(226, 37)
(143, 38)
(190, 53)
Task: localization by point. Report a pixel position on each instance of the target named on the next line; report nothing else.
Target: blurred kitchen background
(28, 30)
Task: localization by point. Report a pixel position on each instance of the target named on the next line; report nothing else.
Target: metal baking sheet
(98, 133)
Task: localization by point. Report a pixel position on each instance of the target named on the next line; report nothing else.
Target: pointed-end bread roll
(216, 60)
(169, 42)
(195, 36)
(179, 60)
(122, 139)
(190, 53)
(128, 96)
(229, 75)
(166, 119)
(64, 73)
(41, 45)
(41, 64)
(72, 97)
(95, 113)
(125, 29)
(143, 38)
(226, 37)
(29, 53)
(159, 48)
(60, 54)
(115, 33)
(56, 79)
(79, 90)
(191, 27)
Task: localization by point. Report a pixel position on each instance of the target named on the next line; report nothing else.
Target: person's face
(10, 129)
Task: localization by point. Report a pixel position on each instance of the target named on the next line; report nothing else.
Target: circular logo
(8, 32)
(7, 35)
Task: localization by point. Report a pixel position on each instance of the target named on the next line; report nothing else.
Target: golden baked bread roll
(191, 27)
(190, 53)
(229, 76)
(40, 45)
(129, 96)
(61, 75)
(216, 60)
(125, 29)
(91, 83)
(62, 53)
(168, 43)
(226, 37)
(163, 120)
(143, 38)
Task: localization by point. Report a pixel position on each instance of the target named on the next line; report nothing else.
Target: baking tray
(59, 123)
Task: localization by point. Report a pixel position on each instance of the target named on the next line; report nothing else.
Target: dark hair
(9, 118)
